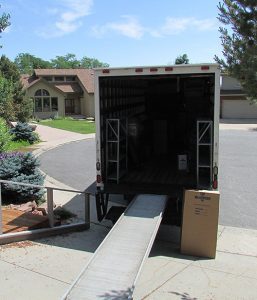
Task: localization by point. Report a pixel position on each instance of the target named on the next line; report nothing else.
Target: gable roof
(85, 76)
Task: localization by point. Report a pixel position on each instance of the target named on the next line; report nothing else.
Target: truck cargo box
(157, 128)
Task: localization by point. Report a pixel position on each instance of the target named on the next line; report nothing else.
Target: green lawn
(79, 126)
(19, 146)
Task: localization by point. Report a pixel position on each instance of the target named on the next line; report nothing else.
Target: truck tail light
(215, 183)
(205, 68)
(98, 178)
(169, 69)
(105, 71)
(215, 177)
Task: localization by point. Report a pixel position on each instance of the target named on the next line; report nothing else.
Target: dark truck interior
(149, 132)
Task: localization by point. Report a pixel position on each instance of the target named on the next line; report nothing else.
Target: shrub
(20, 167)
(25, 110)
(24, 132)
(5, 136)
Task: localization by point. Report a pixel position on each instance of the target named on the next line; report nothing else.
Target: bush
(24, 132)
(20, 167)
(5, 136)
(25, 110)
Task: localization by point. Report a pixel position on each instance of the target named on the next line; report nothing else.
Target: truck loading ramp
(115, 266)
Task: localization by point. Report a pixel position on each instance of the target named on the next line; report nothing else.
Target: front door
(69, 106)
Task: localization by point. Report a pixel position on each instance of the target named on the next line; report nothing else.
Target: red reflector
(169, 69)
(205, 67)
(106, 71)
(98, 178)
(153, 69)
(138, 70)
(215, 184)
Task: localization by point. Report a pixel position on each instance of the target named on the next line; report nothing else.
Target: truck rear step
(115, 266)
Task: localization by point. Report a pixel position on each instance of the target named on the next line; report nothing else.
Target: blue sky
(118, 32)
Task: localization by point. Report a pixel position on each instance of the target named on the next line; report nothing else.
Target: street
(74, 165)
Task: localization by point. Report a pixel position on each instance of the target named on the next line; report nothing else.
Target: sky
(117, 32)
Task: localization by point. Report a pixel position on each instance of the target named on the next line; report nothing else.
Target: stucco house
(61, 92)
(234, 104)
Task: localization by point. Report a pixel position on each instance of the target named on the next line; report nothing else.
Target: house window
(45, 103)
(59, 78)
(54, 101)
(48, 78)
(70, 78)
(38, 104)
(42, 92)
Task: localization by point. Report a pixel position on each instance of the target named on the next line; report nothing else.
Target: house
(234, 104)
(61, 92)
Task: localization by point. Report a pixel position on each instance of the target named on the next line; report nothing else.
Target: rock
(43, 207)
(37, 212)
(26, 207)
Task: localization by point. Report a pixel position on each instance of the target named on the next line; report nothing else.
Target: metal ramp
(115, 266)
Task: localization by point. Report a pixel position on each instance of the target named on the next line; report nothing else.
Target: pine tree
(239, 42)
(182, 59)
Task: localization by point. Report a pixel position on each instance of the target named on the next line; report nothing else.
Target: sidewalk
(45, 268)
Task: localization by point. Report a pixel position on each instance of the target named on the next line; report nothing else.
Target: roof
(28, 80)
(73, 87)
(85, 76)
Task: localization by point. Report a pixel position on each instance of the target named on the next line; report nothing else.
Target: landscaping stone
(25, 207)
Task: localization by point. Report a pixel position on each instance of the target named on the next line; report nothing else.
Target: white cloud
(129, 27)
(173, 26)
(68, 17)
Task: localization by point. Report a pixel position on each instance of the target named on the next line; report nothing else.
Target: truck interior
(156, 132)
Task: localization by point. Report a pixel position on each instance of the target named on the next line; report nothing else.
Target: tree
(21, 107)
(182, 59)
(26, 63)
(7, 110)
(4, 22)
(239, 42)
(89, 63)
(68, 61)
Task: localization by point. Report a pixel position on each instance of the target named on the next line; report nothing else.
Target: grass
(69, 124)
(18, 145)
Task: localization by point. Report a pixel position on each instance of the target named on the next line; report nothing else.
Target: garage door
(238, 109)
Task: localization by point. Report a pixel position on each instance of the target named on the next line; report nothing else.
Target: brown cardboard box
(200, 223)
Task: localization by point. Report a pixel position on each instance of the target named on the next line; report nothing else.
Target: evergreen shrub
(24, 168)
(24, 132)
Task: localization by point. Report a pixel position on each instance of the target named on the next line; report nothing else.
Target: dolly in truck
(156, 131)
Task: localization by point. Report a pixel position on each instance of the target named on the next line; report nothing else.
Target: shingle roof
(85, 76)
(28, 80)
(73, 87)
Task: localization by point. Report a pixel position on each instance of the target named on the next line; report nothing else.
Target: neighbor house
(61, 92)
(234, 103)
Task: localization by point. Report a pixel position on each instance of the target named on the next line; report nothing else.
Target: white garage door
(238, 109)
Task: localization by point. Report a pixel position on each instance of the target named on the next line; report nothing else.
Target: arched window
(43, 101)
(42, 92)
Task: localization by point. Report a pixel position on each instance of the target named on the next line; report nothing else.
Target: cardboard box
(200, 223)
(182, 162)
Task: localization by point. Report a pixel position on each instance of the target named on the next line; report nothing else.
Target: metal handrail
(50, 203)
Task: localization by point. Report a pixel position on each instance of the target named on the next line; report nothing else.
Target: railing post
(87, 209)
(1, 218)
(50, 206)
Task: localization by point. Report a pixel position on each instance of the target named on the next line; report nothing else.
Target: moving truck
(156, 131)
